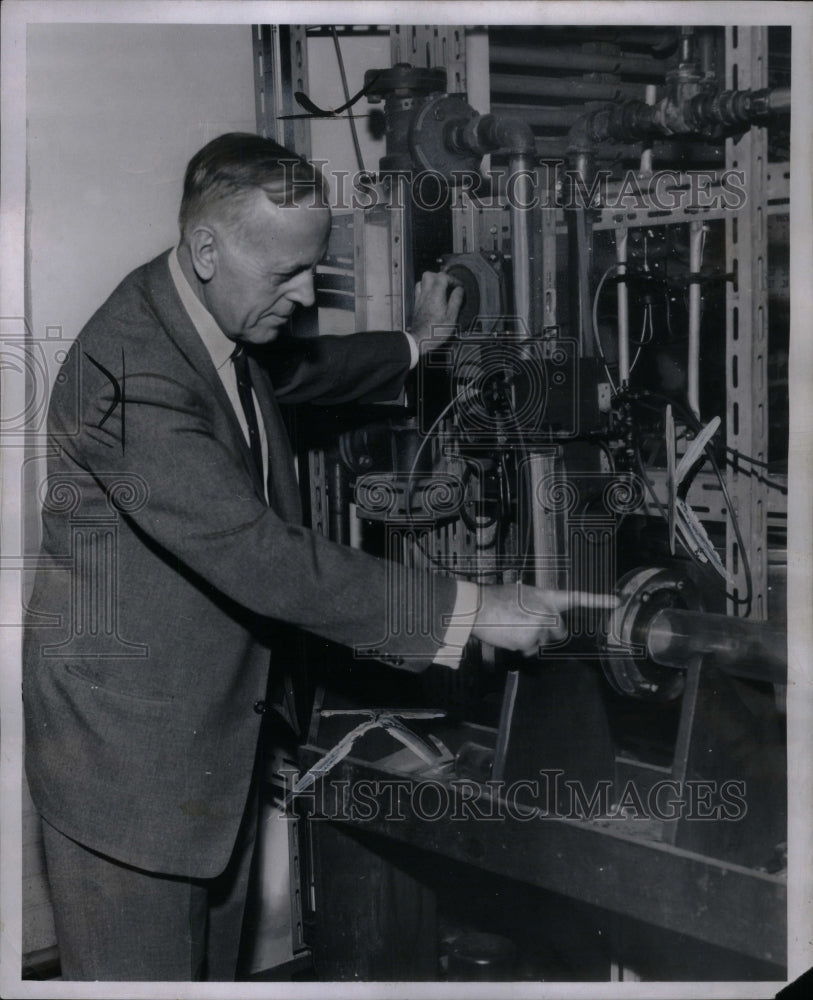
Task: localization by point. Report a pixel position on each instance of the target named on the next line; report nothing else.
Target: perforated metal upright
(746, 66)
(280, 69)
(427, 45)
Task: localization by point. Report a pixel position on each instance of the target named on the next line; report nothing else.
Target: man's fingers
(456, 300)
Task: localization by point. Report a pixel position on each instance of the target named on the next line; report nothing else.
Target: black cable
(746, 458)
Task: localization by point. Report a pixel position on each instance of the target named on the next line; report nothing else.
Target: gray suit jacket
(145, 648)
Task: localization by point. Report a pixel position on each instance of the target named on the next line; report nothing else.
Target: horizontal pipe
(656, 42)
(535, 86)
(540, 116)
(744, 648)
(546, 57)
(482, 134)
(663, 152)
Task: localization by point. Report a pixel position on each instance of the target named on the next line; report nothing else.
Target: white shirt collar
(219, 346)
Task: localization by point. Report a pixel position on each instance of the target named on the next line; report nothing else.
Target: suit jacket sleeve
(202, 511)
(368, 367)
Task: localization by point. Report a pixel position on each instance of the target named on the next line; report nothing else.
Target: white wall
(114, 113)
(331, 139)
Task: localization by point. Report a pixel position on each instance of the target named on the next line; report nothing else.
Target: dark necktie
(240, 359)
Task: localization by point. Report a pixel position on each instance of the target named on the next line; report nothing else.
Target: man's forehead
(294, 233)
(305, 214)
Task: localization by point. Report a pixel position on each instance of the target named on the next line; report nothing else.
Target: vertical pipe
(621, 235)
(579, 239)
(696, 232)
(522, 258)
(646, 155)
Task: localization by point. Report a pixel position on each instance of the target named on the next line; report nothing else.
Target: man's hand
(437, 304)
(522, 618)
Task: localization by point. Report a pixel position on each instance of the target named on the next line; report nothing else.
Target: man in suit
(172, 540)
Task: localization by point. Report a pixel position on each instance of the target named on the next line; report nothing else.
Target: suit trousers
(119, 923)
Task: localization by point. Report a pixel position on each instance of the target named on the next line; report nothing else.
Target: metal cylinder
(621, 235)
(521, 212)
(779, 100)
(646, 153)
(696, 237)
(739, 646)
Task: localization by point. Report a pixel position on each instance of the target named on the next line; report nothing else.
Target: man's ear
(202, 244)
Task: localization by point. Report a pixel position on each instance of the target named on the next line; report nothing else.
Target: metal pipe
(546, 57)
(779, 100)
(709, 113)
(696, 237)
(574, 90)
(539, 116)
(739, 646)
(578, 249)
(646, 153)
(621, 235)
(522, 256)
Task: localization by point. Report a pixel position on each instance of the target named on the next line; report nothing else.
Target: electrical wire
(644, 339)
(411, 476)
(741, 456)
(596, 337)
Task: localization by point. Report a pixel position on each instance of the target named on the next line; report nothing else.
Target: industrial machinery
(611, 416)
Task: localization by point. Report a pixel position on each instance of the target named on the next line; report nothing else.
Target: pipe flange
(643, 593)
(404, 80)
(482, 281)
(430, 132)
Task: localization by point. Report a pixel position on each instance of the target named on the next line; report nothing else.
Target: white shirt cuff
(414, 352)
(461, 622)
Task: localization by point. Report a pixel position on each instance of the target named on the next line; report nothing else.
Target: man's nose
(302, 290)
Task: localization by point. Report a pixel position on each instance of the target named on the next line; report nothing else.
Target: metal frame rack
(556, 87)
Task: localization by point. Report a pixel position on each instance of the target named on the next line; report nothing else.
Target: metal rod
(621, 235)
(696, 236)
(742, 647)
